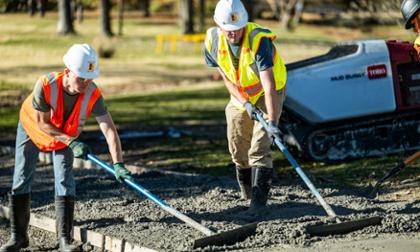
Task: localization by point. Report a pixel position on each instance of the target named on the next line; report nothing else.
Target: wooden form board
(96, 239)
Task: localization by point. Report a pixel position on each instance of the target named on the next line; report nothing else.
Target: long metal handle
(299, 170)
(156, 200)
(401, 165)
(411, 158)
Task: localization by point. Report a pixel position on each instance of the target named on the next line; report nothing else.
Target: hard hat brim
(90, 75)
(232, 27)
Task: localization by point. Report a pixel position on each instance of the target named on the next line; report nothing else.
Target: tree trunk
(147, 8)
(202, 12)
(373, 6)
(284, 20)
(286, 8)
(79, 11)
(275, 8)
(32, 7)
(120, 17)
(186, 16)
(249, 8)
(65, 22)
(41, 6)
(297, 14)
(106, 18)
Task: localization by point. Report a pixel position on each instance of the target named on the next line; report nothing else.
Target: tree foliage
(287, 11)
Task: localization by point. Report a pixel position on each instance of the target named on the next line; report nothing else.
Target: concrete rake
(212, 238)
(401, 165)
(328, 229)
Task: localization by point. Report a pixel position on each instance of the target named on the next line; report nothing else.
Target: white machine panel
(354, 85)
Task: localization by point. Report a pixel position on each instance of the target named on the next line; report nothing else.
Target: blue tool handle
(128, 181)
(299, 170)
(153, 198)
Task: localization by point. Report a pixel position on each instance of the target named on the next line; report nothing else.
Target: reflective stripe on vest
(52, 96)
(254, 33)
(53, 92)
(84, 107)
(247, 76)
(254, 89)
(212, 42)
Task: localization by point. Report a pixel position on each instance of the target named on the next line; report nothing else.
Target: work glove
(273, 130)
(251, 110)
(121, 172)
(80, 150)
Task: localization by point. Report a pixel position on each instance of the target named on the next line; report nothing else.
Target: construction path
(107, 207)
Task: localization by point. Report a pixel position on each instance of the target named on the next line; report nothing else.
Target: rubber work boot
(260, 188)
(64, 210)
(244, 180)
(19, 221)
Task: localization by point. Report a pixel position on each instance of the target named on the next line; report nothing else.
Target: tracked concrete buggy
(360, 99)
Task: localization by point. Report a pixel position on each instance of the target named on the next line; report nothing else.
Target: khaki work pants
(249, 144)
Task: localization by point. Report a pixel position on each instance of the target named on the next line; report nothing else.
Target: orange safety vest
(52, 85)
(247, 76)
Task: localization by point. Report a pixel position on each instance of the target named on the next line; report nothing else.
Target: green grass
(10, 86)
(9, 118)
(170, 107)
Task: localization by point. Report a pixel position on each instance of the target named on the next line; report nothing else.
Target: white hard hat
(81, 59)
(230, 15)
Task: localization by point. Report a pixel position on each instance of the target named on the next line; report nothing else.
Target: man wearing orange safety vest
(51, 119)
(410, 10)
(255, 76)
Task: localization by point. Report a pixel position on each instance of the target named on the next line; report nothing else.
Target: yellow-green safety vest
(417, 45)
(246, 77)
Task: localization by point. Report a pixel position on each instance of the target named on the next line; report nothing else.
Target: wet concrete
(113, 209)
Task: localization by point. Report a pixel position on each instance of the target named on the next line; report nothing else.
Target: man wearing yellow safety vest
(255, 76)
(51, 119)
(410, 11)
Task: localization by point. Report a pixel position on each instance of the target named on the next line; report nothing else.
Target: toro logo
(377, 71)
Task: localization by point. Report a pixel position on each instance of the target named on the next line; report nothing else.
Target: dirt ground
(111, 208)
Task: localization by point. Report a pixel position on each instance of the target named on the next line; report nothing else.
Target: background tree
(249, 8)
(202, 15)
(106, 18)
(36, 5)
(186, 16)
(65, 21)
(42, 7)
(79, 10)
(373, 12)
(120, 16)
(32, 6)
(296, 14)
(13, 6)
(373, 6)
(288, 12)
(146, 8)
